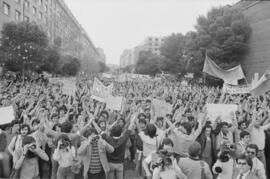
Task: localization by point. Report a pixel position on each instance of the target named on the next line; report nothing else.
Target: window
(40, 15)
(26, 5)
(17, 1)
(26, 18)
(45, 8)
(34, 10)
(6, 8)
(40, 2)
(17, 15)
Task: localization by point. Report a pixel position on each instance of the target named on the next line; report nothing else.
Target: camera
(64, 144)
(33, 146)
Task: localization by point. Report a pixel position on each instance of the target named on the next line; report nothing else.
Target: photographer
(93, 153)
(225, 163)
(26, 159)
(153, 159)
(167, 169)
(65, 154)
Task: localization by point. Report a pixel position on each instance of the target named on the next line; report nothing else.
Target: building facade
(56, 19)
(153, 44)
(102, 54)
(131, 56)
(126, 58)
(257, 60)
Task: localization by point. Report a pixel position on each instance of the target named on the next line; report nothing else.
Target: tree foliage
(71, 67)
(23, 45)
(148, 63)
(102, 67)
(223, 34)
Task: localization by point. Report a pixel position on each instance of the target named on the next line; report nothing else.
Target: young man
(243, 170)
(118, 139)
(93, 154)
(258, 168)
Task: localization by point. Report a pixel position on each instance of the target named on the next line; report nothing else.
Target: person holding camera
(65, 154)
(25, 159)
(153, 159)
(166, 168)
(93, 153)
(225, 163)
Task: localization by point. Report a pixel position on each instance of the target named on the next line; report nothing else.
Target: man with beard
(26, 158)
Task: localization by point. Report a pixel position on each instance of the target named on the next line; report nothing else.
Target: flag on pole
(262, 86)
(230, 76)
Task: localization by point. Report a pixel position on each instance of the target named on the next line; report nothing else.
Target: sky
(115, 25)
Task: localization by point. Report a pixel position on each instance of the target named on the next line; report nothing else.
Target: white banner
(114, 103)
(69, 87)
(101, 92)
(236, 89)
(161, 108)
(7, 115)
(222, 110)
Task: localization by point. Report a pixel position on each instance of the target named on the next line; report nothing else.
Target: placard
(69, 87)
(222, 110)
(114, 102)
(161, 108)
(101, 92)
(7, 115)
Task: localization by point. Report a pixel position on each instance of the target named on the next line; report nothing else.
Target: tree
(223, 35)
(102, 67)
(148, 63)
(72, 67)
(23, 46)
(52, 61)
(173, 50)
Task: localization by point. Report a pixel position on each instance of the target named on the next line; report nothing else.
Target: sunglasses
(242, 163)
(250, 152)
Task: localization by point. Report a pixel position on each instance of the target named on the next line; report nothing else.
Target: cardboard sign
(161, 108)
(101, 92)
(7, 115)
(69, 87)
(236, 89)
(222, 110)
(114, 103)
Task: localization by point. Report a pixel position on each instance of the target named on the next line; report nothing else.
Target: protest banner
(222, 110)
(101, 92)
(161, 108)
(69, 87)
(7, 115)
(114, 102)
(230, 76)
(231, 89)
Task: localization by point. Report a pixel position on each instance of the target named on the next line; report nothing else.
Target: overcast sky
(115, 25)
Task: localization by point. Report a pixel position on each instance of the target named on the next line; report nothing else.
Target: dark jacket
(202, 140)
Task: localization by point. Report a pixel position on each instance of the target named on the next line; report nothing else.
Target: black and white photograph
(134, 89)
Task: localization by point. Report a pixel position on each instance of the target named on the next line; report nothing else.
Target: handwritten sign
(222, 110)
(161, 108)
(7, 115)
(69, 87)
(101, 92)
(236, 89)
(114, 102)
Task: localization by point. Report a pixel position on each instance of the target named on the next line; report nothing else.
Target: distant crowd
(58, 136)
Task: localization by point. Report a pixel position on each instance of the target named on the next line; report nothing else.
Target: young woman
(16, 141)
(25, 159)
(65, 154)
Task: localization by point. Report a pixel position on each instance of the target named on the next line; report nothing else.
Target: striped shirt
(95, 163)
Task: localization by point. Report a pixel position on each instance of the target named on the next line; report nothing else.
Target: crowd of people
(58, 136)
